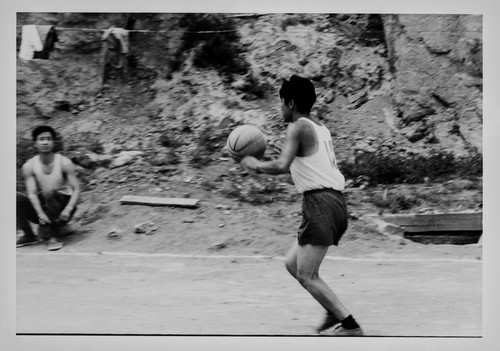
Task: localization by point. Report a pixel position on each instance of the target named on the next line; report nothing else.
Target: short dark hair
(42, 129)
(301, 91)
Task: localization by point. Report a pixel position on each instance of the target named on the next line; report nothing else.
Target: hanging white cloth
(120, 34)
(30, 42)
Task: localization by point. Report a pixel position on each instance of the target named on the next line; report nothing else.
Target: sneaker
(330, 321)
(339, 330)
(26, 240)
(54, 244)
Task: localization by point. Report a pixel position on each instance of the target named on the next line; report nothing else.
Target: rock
(132, 145)
(303, 61)
(147, 228)
(314, 71)
(125, 158)
(218, 246)
(85, 125)
(115, 233)
(44, 109)
(110, 148)
(416, 137)
(239, 84)
(357, 100)
(353, 216)
(329, 97)
(99, 160)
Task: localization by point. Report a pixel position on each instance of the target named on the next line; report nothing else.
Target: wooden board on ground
(437, 222)
(158, 201)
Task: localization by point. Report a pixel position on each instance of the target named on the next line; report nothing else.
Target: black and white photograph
(302, 177)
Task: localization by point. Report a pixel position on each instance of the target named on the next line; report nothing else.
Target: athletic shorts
(324, 217)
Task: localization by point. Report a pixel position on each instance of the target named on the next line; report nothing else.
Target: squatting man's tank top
(320, 169)
(54, 180)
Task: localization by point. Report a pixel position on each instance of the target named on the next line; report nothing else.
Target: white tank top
(54, 180)
(320, 169)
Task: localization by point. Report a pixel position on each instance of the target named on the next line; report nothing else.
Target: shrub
(296, 20)
(388, 168)
(470, 166)
(395, 203)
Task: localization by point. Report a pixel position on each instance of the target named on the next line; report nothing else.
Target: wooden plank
(158, 201)
(454, 238)
(437, 222)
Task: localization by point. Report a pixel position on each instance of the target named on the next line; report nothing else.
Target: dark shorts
(52, 204)
(324, 217)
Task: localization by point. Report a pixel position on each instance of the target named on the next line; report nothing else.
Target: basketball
(246, 140)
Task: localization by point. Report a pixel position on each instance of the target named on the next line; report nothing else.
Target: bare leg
(303, 263)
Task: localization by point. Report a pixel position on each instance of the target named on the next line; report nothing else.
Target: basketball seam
(235, 143)
(250, 144)
(245, 146)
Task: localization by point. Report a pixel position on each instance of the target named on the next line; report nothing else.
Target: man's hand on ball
(250, 162)
(236, 158)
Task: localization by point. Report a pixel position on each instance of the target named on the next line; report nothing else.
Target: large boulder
(436, 61)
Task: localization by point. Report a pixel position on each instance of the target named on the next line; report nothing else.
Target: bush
(395, 203)
(219, 48)
(295, 20)
(387, 168)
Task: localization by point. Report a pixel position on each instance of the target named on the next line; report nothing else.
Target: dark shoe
(54, 244)
(330, 321)
(341, 331)
(26, 240)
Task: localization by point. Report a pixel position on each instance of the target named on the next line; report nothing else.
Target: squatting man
(52, 192)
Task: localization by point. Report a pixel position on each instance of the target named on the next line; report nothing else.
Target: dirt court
(123, 293)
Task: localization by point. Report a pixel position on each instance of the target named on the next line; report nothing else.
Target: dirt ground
(147, 294)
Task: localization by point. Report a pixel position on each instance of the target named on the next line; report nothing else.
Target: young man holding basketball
(53, 191)
(308, 154)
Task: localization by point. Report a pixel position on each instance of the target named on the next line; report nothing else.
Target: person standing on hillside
(52, 192)
(308, 154)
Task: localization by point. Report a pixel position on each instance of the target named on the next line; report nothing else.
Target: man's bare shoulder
(305, 128)
(28, 165)
(66, 163)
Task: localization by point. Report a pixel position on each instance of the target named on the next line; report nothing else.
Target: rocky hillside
(408, 83)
